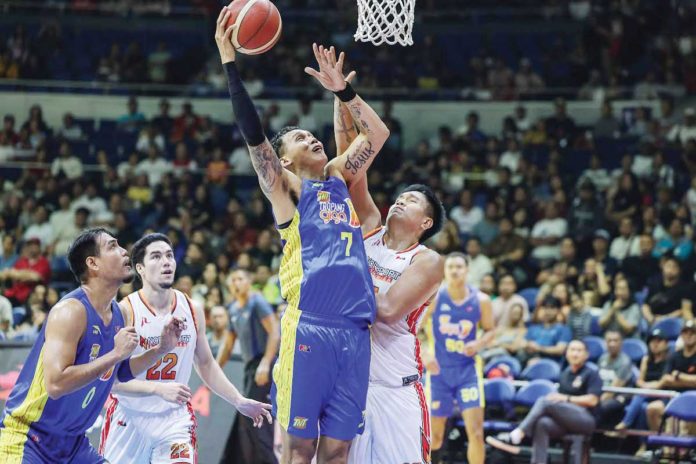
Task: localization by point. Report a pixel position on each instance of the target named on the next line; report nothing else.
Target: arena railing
(280, 92)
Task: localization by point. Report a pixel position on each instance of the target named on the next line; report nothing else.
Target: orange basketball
(258, 25)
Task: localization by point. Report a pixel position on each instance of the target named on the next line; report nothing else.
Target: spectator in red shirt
(30, 269)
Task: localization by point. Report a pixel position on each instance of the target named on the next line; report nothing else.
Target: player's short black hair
(435, 209)
(85, 245)
(458, 254)
(138, 251)
(277, 140)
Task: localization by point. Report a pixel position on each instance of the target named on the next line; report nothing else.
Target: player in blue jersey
(320, 379)
(83, 347)
(454, 324)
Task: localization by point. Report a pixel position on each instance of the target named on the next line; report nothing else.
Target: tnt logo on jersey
(94, 352)
(462, 329)
(299, 423)
(336, 212)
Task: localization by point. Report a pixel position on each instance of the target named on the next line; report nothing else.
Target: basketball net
(385, 21)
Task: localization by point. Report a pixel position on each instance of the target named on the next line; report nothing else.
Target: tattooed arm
(354, 160)
(275, 181)
(344, 127)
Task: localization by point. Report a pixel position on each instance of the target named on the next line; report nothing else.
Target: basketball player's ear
(91, 262)
(285, 162)
(427, 223)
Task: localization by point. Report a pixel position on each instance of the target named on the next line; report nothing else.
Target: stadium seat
(530, 294)
(640, 296)
(547, 369)
(595, 346)
(499, 394)
(682, 409)
(18, 315)
(530, 393)
(635, 349)
(595, 328)
(511, 362)
(671, 327)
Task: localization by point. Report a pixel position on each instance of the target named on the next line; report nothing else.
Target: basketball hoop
(385, 21)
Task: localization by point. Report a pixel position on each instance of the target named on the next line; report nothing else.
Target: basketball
(258, 26)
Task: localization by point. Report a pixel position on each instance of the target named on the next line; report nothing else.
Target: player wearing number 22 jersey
(83, 347)
(149, 419)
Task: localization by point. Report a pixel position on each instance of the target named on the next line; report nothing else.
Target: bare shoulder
(483, 297)
(67, 315)
(429, 259)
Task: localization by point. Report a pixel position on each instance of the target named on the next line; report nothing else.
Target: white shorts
(149, 438)
(397, 427)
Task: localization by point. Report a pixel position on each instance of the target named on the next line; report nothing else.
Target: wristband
(346, 94)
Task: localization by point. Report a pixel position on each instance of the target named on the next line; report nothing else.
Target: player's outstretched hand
(173, 392)
(330, 74)
(255, 411)
(125, 342)
(223, 35)
(170, 334)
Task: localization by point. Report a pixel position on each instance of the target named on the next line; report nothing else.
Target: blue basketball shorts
(463, 384)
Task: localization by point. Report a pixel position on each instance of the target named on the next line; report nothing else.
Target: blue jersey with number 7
(324, 266)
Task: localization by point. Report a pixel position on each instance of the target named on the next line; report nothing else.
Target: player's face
(302, 149)
(159, 266)
(218, 318)
(411, 207)
(240, 283)
(455, 270)
(576, 354)
(113, 260)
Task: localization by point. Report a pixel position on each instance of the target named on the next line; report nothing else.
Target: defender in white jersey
(405, 274)
(150, 419)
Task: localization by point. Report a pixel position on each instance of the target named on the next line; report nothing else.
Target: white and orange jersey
(174, 366)
(396, 357)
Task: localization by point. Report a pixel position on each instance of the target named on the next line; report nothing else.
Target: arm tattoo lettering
(267, 167)
(359, 157)
(356, 110)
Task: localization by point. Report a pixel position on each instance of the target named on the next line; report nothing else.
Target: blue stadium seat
(671, 326)
(682, 409)
(530, 294)
(595, 346)
(499, 394)
(595, 328)
(547, 369)
(18, 314)
(530, 393)
(510, 361)
(635, 349)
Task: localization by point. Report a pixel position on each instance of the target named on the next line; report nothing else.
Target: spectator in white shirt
(307, 120)
(66, 164)
(62, 217)
(547, 233)
(596, 174)
(511, 158)
(522, 121)
(466, 215)
(154, 166)
(148, 136)
(69, 130)
(40, 228)
(627, 243)
(479, 264)
(240, 162)
(507, 298)
(126, 169)
(681, 133)
(90, 200)
(65, 236)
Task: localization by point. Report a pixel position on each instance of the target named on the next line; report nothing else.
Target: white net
(385, 21)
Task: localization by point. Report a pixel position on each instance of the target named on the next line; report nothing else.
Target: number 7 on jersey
(348, 236)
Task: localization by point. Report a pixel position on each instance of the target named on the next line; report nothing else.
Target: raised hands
(330, 74)
(222, 37)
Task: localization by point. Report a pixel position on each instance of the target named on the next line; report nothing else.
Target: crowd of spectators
(608, 50)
